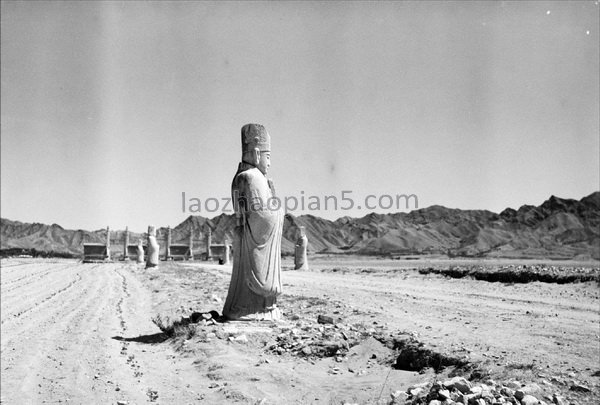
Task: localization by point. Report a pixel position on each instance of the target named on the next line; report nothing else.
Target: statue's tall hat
(255, 136)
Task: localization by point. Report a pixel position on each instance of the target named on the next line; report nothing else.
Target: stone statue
(300, 259)
(140, 252)
(256, 275)
(153, 248)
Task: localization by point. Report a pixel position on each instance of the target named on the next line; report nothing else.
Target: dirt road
(60, 325)
(76, 333)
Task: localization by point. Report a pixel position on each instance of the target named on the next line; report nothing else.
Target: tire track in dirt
(79, 346)
(32, 319)
(43, 301)
(19, 296)
(94, 373)
(29, 343)
(74, 358)
(39, 274)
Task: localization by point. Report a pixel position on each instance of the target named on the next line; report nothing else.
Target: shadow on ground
(151, 339)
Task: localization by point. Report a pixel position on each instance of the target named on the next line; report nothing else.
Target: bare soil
(83, 333)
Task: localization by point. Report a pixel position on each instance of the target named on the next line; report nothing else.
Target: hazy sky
(110, 110)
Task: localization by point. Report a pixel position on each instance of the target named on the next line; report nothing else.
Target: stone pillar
(153, 248)
(226, 253)
(300, 258)
(208, 242)
(107, 243)
(125, 244)
(191, 244)
(168, 252)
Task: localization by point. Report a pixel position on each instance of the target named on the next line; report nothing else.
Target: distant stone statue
(153, 248)
(300, 258)
(140, 252)
(256, 275)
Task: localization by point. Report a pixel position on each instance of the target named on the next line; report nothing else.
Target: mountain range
(557, 229)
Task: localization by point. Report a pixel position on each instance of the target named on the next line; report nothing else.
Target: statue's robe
(256, 275)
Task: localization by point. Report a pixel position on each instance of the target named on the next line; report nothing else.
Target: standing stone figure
(140, 252)
(300, 259)
(152, 248)
(256, 275)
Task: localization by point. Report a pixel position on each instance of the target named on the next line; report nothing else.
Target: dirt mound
(520, 274)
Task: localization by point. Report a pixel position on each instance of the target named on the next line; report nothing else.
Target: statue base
(269, 314)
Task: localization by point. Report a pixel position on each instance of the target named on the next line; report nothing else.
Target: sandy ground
(83, 333)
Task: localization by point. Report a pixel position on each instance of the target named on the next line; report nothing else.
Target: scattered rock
(444, 394)
(325, 319)
(459, 383)
(241, 339)
(416, 392)
(557, 400)
(515, 385)
(529, 400)
(152, 395)
(399, 397)
(579, 388)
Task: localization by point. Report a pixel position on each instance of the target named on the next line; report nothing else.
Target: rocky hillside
(558, 228)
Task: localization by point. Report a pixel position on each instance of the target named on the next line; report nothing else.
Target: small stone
(444, 394)
(435, 402)
(241, 339)
(399, 396)
(415, 392)
(307, 351)
(579, 388)
(529, 389)
(459, 383)
(122, 402)
(507, 392)
(325, 319)
(558, 400)
(529, 400)
(515, 385)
